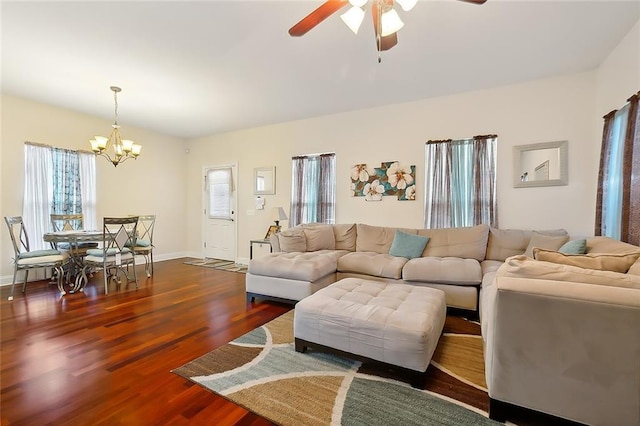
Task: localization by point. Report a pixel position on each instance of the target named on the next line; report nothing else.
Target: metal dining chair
(115, 255)
(144, 241)
(77, 250)
(26, 260)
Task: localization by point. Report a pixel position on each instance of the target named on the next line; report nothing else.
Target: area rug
(223, 265)
(262, 372)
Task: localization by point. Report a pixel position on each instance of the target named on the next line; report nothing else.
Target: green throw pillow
(574, 247)
(408, 245)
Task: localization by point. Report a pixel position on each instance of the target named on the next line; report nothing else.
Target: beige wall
(540, 111)
(168, 181)
(154, 183)
(619, 75)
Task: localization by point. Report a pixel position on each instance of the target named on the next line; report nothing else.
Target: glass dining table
(76, 241)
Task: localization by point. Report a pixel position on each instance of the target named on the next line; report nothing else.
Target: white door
(219, 212)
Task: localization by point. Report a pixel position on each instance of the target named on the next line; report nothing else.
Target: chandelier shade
(122, 149)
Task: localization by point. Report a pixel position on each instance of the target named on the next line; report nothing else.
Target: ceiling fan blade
(325, 10)
(386, 42)
(475, 1)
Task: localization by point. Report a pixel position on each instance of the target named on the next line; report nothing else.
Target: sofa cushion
(319, 237)
(524, 267)
(547, 242)
(615, 262)
(308, 266)
(609, 245)
(443, 270)
(292, 240)
(504, 243)
(408, 245)
(468, 243)
(345, 236)
(370, 263)
(377, 239)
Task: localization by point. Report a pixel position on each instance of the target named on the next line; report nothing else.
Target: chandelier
(123, 149)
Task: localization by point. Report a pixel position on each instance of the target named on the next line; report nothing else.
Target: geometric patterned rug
(262, 372)
(224, 265)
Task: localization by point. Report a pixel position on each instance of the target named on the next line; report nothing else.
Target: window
(57, 181)
(220, 186)
(618, 199)
(314, 189)
(460, 182)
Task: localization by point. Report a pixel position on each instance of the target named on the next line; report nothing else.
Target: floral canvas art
(391, 178)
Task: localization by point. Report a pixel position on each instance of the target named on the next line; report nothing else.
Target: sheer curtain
(618, 197)
(313, 189)
(38, 193)
(87, 167)
(460, 187)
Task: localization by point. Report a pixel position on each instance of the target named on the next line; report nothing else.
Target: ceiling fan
(386, 21)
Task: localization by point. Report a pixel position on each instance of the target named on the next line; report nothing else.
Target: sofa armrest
(564, 348)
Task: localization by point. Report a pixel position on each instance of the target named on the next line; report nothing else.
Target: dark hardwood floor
(88, 358)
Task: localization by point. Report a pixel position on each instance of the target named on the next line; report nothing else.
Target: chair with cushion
(27, 260)
(71, 222)
(144, 241)
(115, 255)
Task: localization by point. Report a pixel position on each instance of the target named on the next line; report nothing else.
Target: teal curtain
(313, 189)
(618, 197)
(67, 196)
(460, 182)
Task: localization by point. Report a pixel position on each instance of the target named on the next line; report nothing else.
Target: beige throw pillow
(635, 268)
(293, 240)
(524, 267)
(615, 262)
(544, 241)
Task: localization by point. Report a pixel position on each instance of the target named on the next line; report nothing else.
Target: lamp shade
(278, 214)
(390, 23)
(353, 18)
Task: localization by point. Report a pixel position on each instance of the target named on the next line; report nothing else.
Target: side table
(261, 244)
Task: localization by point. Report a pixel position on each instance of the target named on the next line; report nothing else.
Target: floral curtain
(67, 198)
(461, 182)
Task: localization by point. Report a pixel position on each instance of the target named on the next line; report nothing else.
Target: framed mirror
(540, 164)
(264, 180)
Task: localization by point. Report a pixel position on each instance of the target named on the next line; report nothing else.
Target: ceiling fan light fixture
(390, 23)
(353, 18)
(407, 5)
(358, 3)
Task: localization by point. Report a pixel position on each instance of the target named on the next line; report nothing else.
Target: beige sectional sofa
(455, 260)
(563, 339)
(561, 333)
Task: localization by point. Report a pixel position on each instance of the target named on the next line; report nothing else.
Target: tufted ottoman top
(395, 323)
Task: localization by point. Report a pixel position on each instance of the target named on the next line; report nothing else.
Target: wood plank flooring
(88, 358)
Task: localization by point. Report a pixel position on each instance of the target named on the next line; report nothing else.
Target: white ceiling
(193, 68)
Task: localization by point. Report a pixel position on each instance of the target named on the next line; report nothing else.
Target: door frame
(205, 205)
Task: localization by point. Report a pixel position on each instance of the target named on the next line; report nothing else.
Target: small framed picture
(273, 229)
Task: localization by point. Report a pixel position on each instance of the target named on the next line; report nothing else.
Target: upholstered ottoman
(291, 276)
(397, 324)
